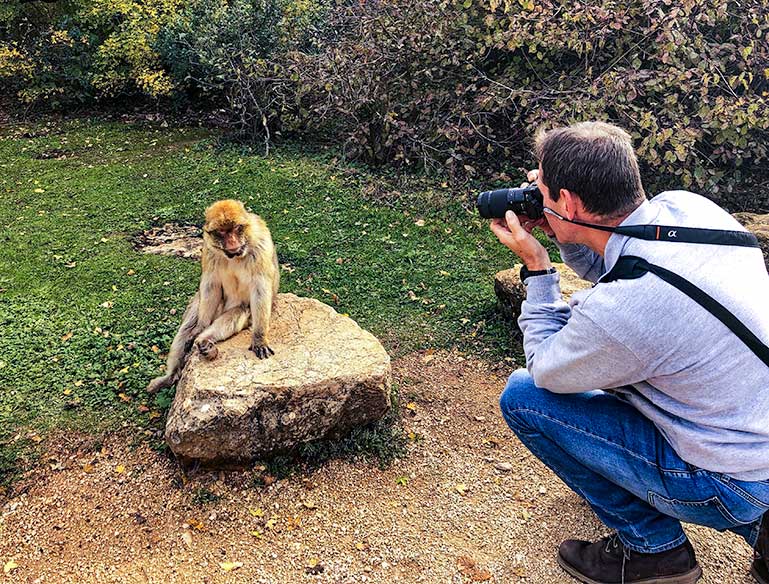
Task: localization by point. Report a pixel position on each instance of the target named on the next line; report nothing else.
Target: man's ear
(570, 203)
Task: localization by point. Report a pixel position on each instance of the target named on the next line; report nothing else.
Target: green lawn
(81, 310)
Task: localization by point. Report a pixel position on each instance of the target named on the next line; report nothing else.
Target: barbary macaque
(239, 283)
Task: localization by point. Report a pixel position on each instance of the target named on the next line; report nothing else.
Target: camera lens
(493, 203)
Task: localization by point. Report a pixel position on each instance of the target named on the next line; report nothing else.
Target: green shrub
(462, 84)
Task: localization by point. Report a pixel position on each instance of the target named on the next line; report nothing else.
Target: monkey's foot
(207, 348)
(160, 383)
(261, 351)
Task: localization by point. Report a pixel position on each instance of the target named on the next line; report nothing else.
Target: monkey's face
(230, 239)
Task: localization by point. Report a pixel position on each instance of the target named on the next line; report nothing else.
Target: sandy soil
(468, 504)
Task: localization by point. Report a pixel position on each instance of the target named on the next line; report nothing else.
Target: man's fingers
(532, 175)
(513, 224)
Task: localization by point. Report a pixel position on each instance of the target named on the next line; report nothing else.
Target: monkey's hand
(207, 348)
(260, 349)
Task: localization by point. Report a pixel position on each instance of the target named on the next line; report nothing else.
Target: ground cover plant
(85, 319)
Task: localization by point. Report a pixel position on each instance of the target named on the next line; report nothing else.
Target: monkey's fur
(239, 283)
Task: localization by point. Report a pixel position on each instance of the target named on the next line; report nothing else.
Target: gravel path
(468, 504)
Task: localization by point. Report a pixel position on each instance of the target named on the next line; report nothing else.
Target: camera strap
(679, 234)
(632, 267)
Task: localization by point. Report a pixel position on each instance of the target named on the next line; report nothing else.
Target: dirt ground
(468, 504)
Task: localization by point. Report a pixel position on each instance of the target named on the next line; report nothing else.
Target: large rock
(759, 226)
(511, 292)
(327, 376)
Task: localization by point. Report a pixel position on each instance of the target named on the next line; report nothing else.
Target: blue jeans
(615, 458)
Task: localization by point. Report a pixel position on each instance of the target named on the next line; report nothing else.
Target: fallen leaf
(230, 566)
(120, 469)
(309, 504)
(187, 538)
(124, 397)
(256, 534)
(88, 468)
(256, 512)
(403, 481)
(293, 523)
(194, 523)
(39, 191)
(411, 406)
(66, 337)
(419, 223)
(9, 565)
(155, 349)
(130, 272)
(461, 488)
(270, 523)
(143, 409)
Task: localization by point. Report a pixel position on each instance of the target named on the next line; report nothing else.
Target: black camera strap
(679, 234)
(632, 267)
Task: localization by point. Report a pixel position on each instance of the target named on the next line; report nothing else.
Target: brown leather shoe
(608, 562)
(760, 567)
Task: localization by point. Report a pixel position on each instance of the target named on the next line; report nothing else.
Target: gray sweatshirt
(705, 391)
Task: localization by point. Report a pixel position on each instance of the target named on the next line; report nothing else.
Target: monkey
(238, 284)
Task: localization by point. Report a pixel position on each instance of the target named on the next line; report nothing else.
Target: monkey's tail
(180, 348)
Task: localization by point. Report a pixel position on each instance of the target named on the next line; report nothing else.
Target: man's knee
(519, 395)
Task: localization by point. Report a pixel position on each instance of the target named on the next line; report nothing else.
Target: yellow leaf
(66, 337)
(67, 391)
(9, 565)
(270, 523)
(88, 468)
(461, 488)
(130, 272)
(155, 349)
(309, 504)
(411, 406)
(256, 512)
(420, 223)
(256, 534)
(124, 397)
(78, 383)
(120, 469)
(230, 566)
(39, 190)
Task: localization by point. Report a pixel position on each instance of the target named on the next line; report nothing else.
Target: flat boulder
(327, 376)
(511, 292)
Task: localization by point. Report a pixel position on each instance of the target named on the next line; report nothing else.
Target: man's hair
(595, 161)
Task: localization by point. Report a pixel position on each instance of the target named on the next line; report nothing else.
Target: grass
(84, 318)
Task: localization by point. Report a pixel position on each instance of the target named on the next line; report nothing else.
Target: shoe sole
(686, 578)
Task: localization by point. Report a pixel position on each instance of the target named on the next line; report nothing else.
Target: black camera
(523, 201)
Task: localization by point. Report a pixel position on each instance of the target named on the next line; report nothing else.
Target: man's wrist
(540, 262)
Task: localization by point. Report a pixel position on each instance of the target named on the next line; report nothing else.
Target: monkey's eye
(239, 229)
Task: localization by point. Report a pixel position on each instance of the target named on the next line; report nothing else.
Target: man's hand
(517, 238)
